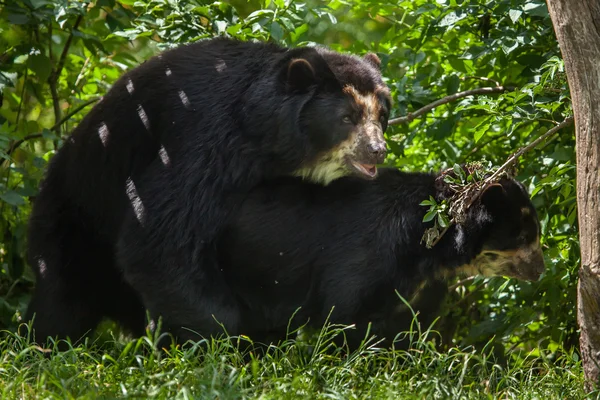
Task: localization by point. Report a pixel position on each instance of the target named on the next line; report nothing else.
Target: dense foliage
(57, 57)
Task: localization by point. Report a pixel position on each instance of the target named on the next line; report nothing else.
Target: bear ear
(494, 197)
(300, 74)
(372, 59)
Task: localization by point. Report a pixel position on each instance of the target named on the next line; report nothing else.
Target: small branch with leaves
(57, 70)
(14, 145)
(467, 185)
(448, 99)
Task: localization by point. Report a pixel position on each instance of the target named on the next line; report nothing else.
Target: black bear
(351, 245)
(171, 149)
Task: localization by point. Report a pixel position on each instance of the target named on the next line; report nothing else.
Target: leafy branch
(55, 75)
(468, 188)
(448, 99)
(64, 119)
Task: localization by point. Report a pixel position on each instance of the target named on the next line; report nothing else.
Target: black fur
(352, 245)
(171, 149)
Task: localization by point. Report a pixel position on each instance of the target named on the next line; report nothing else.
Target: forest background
(58, 57)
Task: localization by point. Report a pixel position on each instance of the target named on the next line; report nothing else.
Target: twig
(461, 283)
(444, 100)
(67, 117)
(515, 156)
(22, 100)
(55, 75)
(63, 55)
(481, 78)
(50, 55)
(480, 146)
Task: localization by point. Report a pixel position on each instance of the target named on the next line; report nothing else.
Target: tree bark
(577, 27)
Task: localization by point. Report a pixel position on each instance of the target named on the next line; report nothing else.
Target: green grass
(132, 369)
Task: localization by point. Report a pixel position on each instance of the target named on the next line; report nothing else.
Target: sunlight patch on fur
(220, 66)
(129, 86)
(168, 71)
(164, 156)
(41, 263)
(143, 116)
(103, 134)
(136, 202)
(184, 99)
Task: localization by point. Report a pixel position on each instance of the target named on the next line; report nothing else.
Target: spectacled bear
(353, 244)
(168, 154)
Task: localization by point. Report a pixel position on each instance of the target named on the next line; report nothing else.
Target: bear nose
(378, 151)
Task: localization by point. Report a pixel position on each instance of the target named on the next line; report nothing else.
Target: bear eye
(346, 119)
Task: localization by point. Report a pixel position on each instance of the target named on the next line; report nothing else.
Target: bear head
(345, 114)
(508, 233)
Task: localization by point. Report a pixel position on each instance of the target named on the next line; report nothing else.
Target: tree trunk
(577, 27)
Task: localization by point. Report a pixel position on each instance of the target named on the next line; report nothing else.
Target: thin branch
(55, 100)
(55, 75)
(50, 55)
(480, 146)
(461, 283)
(448, 99)
(513, 158)
(63, 55)
(67, 117)
(481, 78)
(22, 100)
(75, 111)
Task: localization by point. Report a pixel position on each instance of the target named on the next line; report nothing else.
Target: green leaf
(515, 15)
(460, 173)
(481, 130)
(39, 3)
(276, 31)
(536, 9)
(451, 19)
(18, 19)
(443, 220)
(429, 216)
(13, 198)
(40, 64)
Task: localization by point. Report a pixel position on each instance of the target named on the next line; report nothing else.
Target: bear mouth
(368, 171)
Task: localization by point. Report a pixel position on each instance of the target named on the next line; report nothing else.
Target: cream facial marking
(524, 263)
(331, 165)
(369, 103)
(370, 110)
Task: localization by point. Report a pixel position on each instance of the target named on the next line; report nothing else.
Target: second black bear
(171, 149)
(353, 244)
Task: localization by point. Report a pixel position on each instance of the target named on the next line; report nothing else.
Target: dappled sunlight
(184, 99)
(103, 134)
(41, 263)
(129, 86)
(136, 202)
(143, 116)
(220, 66)
(164, 156)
